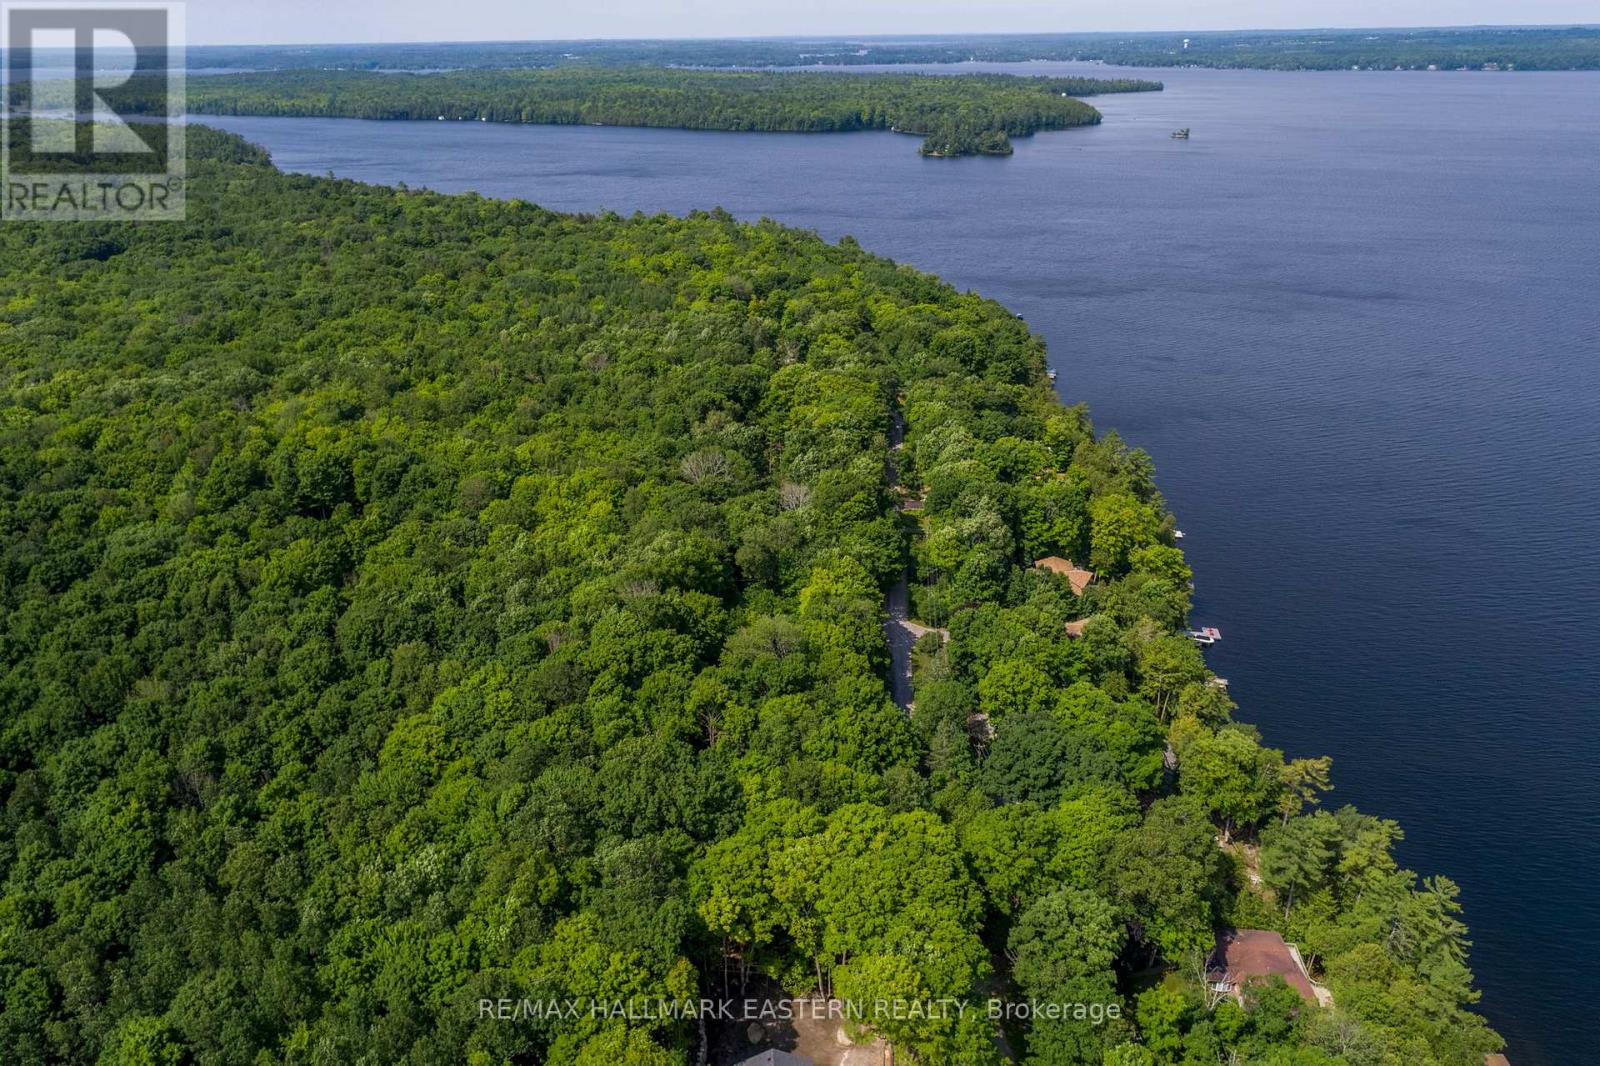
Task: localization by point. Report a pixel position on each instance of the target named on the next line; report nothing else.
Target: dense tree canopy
(410, 600)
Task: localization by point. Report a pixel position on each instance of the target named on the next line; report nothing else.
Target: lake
(1356, 320)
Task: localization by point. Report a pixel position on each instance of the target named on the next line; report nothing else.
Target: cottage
(1245, 955)
(1075, 629)
(1077, 576)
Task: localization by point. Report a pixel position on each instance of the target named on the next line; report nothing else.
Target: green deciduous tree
(1169, 873)
(1233, 776)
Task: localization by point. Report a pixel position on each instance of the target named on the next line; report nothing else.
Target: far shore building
(1245, 955)
(1076, 575)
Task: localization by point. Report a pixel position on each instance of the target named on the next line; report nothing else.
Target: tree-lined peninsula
(413, 601)
(958, 115)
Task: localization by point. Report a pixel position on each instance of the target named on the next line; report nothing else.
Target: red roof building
(1245, 955)
(1076, 575)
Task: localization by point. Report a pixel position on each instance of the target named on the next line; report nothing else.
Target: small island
(957, 141)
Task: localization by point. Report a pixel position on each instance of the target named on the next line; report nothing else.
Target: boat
(1181, 135)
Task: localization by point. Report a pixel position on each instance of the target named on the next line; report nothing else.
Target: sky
(344, 21)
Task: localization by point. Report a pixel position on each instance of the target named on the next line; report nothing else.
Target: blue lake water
(1356, 320)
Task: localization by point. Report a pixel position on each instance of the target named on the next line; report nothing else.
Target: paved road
(900, 631)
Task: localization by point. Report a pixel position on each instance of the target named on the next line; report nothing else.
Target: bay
(1356, 320)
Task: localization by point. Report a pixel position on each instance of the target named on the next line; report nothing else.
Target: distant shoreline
(1562, 47)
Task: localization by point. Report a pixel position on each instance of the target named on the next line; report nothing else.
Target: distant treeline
(959, 115)
(1525, 48)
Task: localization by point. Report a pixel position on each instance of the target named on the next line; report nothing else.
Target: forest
(409, 601)
(960, 115)
(1522, 47)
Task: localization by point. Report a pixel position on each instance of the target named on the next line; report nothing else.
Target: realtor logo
(91, 124)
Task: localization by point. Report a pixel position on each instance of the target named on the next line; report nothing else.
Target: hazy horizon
(309, 22)
(888, 36)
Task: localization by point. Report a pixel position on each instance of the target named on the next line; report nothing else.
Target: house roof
(1243, 955)
(1078, 576)
(775, 1057)
(1075, 629)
